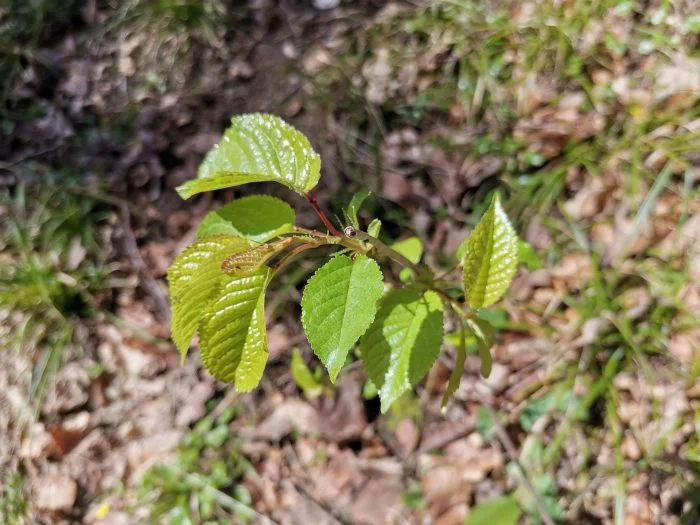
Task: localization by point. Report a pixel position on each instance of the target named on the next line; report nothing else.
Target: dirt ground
(592, 409)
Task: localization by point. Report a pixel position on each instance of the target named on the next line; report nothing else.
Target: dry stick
(507, 443)
(149, 284)
(147, 281)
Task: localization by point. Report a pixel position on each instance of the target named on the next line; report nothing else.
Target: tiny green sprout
(218, 283)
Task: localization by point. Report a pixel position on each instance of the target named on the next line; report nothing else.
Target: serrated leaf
(338, 305)
(491, 258)
(410, 248)
(194, 279)
(258, 218)
(355, 205)
(250, 260)
(484, 333)
(498, 511)
(257, 148)
(232, 336)
(403, 342)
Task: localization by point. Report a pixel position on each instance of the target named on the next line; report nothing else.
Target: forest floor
(585, 115)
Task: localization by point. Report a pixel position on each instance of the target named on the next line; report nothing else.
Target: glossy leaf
(232, 337)
(403, 342)
(258, 218)
(338, 305)
(491, 258)
(257, 148)
(195, 278)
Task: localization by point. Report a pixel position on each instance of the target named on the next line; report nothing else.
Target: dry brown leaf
(55, 493)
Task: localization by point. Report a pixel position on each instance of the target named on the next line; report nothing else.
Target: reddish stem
(327, 223)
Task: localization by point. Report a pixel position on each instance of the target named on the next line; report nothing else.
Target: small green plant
(218, 283)
(195, 487)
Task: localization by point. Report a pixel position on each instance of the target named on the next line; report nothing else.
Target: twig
(512, 453)
(149, 284)
(382, 248)
(324, 219)
(464, 429)
(162, 310)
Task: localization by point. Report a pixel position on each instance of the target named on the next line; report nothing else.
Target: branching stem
(324, 219)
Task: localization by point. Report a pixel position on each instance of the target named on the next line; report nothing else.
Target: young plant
(218, 283)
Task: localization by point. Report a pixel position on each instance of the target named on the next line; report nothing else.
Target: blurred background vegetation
(585, 115)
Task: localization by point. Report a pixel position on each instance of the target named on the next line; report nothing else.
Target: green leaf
(403, 342)
(456, 375)
(410, 248)
(232, 336)
(338, 305)
(374, 227)
(195, 278)
(258, 218)
(369, 390)
(303, 377)
(491, 258)
(257, 148)
(528, 256)
(462, 250)
(355, 205)
(484, 333)
(485, 425)
(499, 511)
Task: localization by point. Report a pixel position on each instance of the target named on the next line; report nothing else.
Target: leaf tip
(184, 191)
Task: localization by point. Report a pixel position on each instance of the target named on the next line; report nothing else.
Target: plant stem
(324, 219)
(385, 250)
(293, 253)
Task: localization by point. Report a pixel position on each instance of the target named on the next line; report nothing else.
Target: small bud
(349, 231)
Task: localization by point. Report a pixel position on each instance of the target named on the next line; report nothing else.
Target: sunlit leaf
(257, 148)
(258, 218)
(403, 342)
(195, 278)
(491, 258)
(232, 337)
(338, 305)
